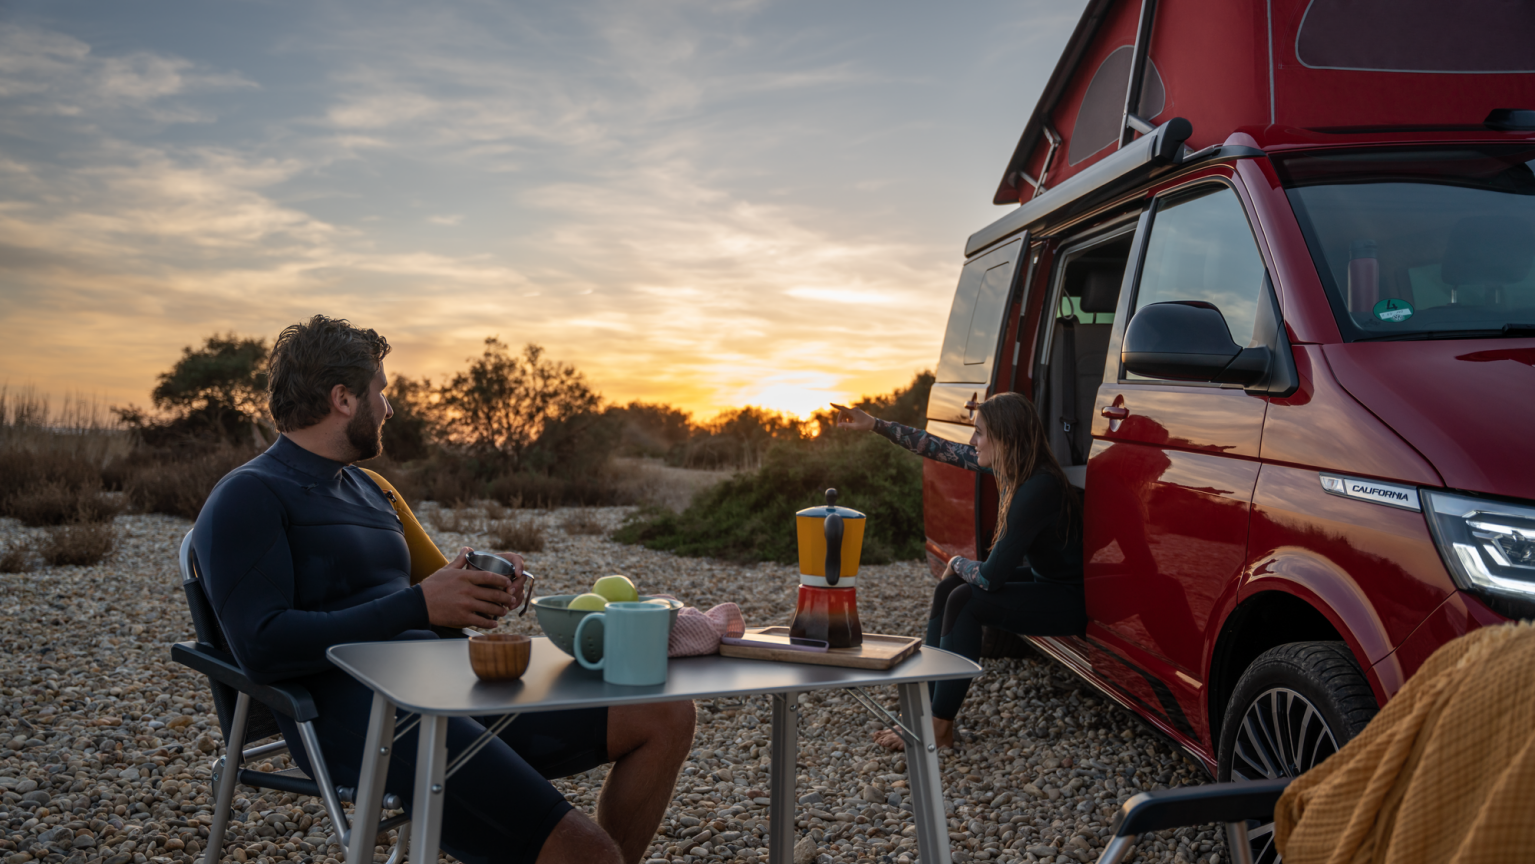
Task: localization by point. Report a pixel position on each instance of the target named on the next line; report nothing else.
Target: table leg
(377, 748)
(431, 765)
(781, 804)
(926, 782)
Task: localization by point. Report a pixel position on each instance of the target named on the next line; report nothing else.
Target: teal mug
(634, 643)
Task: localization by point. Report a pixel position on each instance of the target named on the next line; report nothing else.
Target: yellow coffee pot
(830, 543)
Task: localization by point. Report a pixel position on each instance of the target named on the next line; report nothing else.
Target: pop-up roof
(1313, 64)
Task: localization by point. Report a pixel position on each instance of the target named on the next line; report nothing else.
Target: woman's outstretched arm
(915, 440)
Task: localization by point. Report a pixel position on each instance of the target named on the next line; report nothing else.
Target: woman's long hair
(1019, 449)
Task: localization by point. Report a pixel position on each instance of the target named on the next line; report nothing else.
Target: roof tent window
(1103, 105)
(1418, 36)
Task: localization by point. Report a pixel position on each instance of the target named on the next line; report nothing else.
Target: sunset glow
(709, 205)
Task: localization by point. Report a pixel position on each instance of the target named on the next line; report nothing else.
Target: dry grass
(652, 482)
(58, 503)
(178, 484)
(458, 519)
(518, 534)
(16, 557)
(583, 521)
(81, 544)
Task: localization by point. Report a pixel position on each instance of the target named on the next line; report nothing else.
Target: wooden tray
(876, 652)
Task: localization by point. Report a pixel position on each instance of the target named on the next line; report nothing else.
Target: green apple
(617, 589)
(588, 603)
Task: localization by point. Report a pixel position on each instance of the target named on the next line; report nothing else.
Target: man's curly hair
(310, 359)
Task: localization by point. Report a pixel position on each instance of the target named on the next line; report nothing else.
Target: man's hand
(460, 597)
(853, 418)
(519, 584)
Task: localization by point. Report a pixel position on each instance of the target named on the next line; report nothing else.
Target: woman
(1031, 582)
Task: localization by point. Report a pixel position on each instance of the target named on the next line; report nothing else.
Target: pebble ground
(106, 745)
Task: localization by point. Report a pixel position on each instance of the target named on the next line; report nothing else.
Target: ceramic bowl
(500, 656)
(559, 622)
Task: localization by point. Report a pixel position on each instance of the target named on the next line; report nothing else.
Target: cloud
(672, 196)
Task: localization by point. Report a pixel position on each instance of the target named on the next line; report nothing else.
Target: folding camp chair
(245, 715)
(1229, 803)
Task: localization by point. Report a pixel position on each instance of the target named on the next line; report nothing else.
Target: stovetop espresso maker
(830, 542)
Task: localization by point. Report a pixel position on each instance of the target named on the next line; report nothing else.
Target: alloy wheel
(1282, 734)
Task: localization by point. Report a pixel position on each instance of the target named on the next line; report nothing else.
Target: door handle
(1115, 412)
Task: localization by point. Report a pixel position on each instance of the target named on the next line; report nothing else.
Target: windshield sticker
(1390, 494)
(1393, 310)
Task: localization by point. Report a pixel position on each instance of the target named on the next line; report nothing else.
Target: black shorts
(500, 807)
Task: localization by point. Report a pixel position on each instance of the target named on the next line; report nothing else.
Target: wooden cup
(500, 656)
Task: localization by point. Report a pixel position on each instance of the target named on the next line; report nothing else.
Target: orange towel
(425, 557)
(1444, 774)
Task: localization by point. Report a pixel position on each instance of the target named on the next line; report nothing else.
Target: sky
(707, 204)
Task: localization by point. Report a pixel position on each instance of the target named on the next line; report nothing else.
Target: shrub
(521, 534)
(458, 520)
(582, 521)
(177, 484)
(750, 517)
(80, 544)
(16, 557)
(56, 503)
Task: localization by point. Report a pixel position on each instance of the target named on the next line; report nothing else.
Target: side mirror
(1184, 340)
(1188, 340)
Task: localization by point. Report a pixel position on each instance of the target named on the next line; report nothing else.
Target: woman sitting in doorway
(1031, 582)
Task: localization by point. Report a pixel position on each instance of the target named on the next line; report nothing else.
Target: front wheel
(1293, 707)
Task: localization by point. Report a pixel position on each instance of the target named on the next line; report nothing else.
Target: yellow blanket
(425, 557)
(1445, 774)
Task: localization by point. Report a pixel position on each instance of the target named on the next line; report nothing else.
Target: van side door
(967, 366)
(1173, 464)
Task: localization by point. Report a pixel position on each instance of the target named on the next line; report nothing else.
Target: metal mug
(496, 564)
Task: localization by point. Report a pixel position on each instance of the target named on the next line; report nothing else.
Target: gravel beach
(106, 745)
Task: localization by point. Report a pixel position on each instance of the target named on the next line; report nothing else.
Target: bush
(521, 534)
(458, 520)
(582, 521)
(56, 503)
(177, 484)
(16, 557)
(81, 545)
(750, 517)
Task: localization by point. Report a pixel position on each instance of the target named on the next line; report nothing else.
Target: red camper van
(1269, 277)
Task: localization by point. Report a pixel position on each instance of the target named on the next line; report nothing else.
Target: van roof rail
(1115, 173)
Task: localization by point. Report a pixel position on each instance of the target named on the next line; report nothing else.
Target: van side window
(1201, 248)
(976, 319)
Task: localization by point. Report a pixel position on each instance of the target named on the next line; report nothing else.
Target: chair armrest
(1198, 805)
(291, 699)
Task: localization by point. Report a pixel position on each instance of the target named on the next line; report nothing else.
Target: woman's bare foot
(943, 735)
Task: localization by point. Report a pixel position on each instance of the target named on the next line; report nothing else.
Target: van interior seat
(1099, 293)
(1482, 250)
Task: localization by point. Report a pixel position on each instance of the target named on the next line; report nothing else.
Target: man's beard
(365, 433)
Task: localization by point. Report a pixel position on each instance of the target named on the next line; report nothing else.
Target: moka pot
(830, 543)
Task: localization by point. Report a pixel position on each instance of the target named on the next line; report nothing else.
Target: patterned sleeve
(930, 446)
(970, 571)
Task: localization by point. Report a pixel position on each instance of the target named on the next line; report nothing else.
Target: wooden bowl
(500, 656)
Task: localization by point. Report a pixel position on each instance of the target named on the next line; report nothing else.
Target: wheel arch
(1294, 596)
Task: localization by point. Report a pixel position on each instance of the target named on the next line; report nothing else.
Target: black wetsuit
(300, 553)
(1030, 582)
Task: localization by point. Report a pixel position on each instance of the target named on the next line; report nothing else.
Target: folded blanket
(1444, 773)
(697, 633)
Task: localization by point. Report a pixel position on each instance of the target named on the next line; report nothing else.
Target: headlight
(1488, 545)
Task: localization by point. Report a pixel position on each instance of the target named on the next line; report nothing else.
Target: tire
(1293, 707)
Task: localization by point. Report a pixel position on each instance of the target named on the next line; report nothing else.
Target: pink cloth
(697, 633)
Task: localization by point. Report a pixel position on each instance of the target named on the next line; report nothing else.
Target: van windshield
(1422, 242)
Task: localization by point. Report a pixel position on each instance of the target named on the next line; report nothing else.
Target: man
(301, 551)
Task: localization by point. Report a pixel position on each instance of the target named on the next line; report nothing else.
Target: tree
(216, 391)
(652, 428)
(409, 433)
(504, 401)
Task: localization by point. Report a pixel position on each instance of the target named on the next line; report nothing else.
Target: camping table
(432, 679)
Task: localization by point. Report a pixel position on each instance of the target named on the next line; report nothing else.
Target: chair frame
(1229, 803)
(209, 656)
